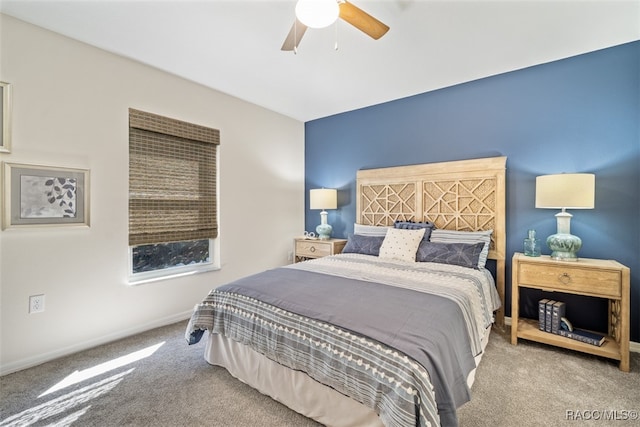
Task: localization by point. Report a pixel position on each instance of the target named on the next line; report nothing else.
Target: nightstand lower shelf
(528, 330)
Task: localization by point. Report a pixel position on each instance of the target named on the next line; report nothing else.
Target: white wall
(70, 109)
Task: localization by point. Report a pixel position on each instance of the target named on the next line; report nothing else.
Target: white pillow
(370, 230)
(452, 236)
(401, 244)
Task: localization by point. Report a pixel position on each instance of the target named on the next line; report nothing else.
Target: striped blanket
(358, 325)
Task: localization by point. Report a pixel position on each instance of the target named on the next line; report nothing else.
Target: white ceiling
(234, 46)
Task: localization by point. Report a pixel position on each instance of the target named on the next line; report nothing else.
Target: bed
(390, 332)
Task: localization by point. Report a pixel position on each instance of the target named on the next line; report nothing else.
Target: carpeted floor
(534, 384)
(156, 379)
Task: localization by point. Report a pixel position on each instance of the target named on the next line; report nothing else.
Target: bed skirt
(295, 389)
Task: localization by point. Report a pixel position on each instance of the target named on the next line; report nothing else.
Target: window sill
(133, 281)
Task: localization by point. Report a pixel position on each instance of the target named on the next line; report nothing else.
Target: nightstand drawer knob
(564, 278)
(312, 249)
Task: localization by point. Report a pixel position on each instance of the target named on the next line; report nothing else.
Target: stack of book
(551, 318)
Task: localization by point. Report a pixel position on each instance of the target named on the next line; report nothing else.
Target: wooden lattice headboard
(465, 195)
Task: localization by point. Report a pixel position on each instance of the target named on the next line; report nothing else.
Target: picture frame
(38, 196)
(5, 117)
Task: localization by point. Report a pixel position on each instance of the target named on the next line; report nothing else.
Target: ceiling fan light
(317, 13)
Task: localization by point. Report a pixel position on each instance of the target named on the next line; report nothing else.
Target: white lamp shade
(317, 13)
(323, 198)
(566, 191)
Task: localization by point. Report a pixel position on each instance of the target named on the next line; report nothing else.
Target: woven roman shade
(172, 180)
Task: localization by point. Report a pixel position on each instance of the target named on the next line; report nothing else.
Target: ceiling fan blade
(295, 35)
(362, 20)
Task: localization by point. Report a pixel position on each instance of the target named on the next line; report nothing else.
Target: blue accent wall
(580, 114)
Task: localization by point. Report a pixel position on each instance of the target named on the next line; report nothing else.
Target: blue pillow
(462, 254)
(365, 245)
(410, 225)
(452, 236)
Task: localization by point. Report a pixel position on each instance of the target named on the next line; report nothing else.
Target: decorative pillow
(451, 236)
(366, 245)
(463, 254)
(410, 225)
(401, 244)
(370, 230)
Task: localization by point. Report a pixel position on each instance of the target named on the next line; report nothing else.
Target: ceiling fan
(322, 13)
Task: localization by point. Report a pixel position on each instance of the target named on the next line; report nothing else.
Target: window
(172, 195)
(170, 255)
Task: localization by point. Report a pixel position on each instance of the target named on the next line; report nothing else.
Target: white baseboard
(633, 346)
(52, 355)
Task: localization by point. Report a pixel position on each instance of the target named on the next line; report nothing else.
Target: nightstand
(305, 249)
(592, 277)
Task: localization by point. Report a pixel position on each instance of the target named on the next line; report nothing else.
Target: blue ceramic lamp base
(324, 230)
(564, 245)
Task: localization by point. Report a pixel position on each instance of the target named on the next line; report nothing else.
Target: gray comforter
(404, 352)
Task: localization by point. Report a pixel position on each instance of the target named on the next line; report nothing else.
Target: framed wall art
(5, 117)
(45, 196)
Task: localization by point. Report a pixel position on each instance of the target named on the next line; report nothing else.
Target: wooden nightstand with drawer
(305, 249)
(592, 277)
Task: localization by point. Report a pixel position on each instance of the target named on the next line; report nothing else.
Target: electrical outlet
(290, 256)
(36, 304)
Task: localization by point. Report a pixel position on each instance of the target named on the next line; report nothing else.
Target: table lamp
(565, 191)
(323, 198)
